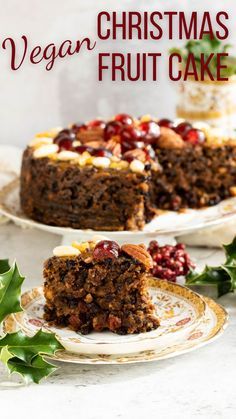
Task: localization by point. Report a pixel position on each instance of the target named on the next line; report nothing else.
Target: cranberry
(127, 146)
(194, 136)
(112, 129)
(64, 143)
(166, 123)
(124, 119)
(97, 123)
(82, 148)
(101, 152)
(169, 261)
(79, 126)
(66, 133)
(150, 131)
(106, 249)
(128, 158)
(183, 128)
(130, 135)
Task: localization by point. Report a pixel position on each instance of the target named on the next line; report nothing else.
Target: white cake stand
(164, 228)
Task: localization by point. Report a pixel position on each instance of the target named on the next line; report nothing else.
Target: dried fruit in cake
(118, 176)
(99, 286)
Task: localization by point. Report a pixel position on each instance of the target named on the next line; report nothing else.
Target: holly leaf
(10, 289)
(24, 355)
(223, 276)
(4, 266)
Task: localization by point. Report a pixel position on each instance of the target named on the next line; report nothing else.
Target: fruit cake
(97, 285)
(118, 175)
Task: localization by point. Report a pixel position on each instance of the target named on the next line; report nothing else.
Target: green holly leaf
(223, 276)
(4, 266)
(24, 355)
(10, 289)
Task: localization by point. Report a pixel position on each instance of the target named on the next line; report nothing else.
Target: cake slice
(99, 286)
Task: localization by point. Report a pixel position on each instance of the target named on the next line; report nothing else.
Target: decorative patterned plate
(168, 222)
(211, 326)
(179, 309)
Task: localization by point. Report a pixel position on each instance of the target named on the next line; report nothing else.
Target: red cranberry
(82, 148)
(106, 249)
(183, 128)
(131, 134)
(112, 129)
(166, 123)
(101, 152)
(194, 136)
(124, 119)
(169, 261)
(66, 133)
(128, 158)
(127, 146)
(64, 143)
(97, 123)
(79, 126)
(150, 131)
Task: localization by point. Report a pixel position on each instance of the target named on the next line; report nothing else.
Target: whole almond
(169, 139)
(139, 253)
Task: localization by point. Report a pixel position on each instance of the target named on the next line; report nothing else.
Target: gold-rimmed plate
(179, 309)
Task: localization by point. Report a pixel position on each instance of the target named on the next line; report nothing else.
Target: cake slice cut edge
(99, 286)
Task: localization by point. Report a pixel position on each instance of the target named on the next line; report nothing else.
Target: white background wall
(33, 99)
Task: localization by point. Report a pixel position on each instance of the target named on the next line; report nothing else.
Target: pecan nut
(87, 136)
(139, 253)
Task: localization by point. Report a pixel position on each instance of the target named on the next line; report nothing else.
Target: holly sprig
(223, 276)
(20, 353)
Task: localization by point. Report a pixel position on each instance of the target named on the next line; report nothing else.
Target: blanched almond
(137, 166)
(67, 155)
(65, 251)
(39, 141)
(101, 162)
(46, 151)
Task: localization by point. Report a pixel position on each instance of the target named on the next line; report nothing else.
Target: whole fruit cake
(98, 285)
(118, 175)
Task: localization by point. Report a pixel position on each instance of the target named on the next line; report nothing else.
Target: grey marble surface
(200, 384)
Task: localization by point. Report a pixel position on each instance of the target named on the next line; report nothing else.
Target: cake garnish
(65, 155)
(137, 166)
(46, 151)
(139, 253)
(61, 251)
(39, 141)
(106, 287)
(106, 249)
(169, 139)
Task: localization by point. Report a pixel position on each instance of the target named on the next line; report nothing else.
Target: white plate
(167, 223)
(178, 308)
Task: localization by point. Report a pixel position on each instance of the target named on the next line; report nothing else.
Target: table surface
(200, 384)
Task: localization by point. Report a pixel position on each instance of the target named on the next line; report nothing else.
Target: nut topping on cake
(139, 253)
(46, 151)
(65, 251)
(170, 139)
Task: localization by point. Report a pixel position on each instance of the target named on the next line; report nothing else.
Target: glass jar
(213, 102)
